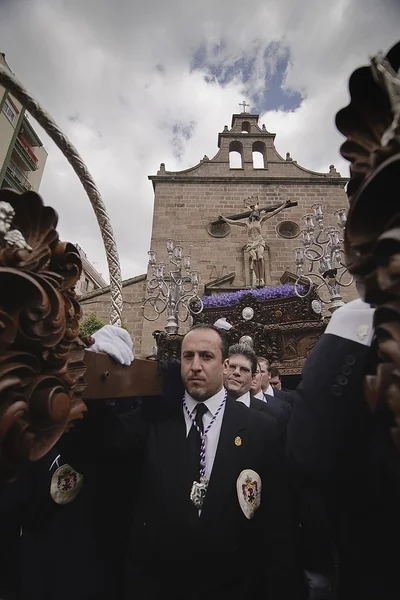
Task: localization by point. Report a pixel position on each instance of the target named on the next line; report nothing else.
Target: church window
(245, 127)
(218, 229)
(235, 155)
(288, 229)
(259, 156)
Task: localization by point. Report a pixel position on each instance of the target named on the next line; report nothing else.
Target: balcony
(26, 153)
(16, 178)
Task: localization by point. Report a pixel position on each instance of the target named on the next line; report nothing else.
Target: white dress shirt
(269, 390)
(212, 436)
(260, 396)
(245, 399)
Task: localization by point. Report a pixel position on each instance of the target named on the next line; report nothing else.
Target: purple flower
(264, 293)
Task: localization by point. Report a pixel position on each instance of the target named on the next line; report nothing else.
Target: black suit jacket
(273, 410)
(226, 554)
(336, 443)
(77, 550)
(286, 397)
(276, 408)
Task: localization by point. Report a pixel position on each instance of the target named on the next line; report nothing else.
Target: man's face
(201, 363)
(256, 384)
(276, 382)
(237, 375)
(264, 376)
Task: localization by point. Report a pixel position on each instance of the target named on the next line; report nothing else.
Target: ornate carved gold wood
(371, 124)
(41, 357)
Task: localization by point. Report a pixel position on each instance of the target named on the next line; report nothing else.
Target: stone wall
(184, 210)
(133, 293)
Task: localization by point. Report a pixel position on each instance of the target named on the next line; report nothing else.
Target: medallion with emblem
(66, 483)
(248, 488)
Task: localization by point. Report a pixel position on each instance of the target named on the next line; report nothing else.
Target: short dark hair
(274, 372)
(221, 334)
(245, 351)
(262, 359)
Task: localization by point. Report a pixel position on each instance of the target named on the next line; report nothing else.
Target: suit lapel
(256, 403)
(229, 459)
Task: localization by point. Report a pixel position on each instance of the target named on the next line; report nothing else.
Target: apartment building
(22, 155)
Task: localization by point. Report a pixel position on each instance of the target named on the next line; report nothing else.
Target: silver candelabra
(322, 248)
(174, 292)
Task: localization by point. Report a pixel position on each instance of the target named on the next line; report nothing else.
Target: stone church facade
(187, 205)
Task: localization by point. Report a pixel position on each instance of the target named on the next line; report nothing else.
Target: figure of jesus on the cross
(256, 244)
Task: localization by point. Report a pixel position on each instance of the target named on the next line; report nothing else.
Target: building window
(235, 155)
(288, 229)
(245, 127)
(218, 229)
(259, 155)
(9, 110)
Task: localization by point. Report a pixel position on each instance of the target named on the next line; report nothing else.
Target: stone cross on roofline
(243, 105)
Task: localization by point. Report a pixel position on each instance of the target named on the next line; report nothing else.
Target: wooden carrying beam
(107, 379)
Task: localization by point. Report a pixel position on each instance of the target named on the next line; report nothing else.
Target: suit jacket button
(336, 390)
(350, 360)
(346, 370)
(342, 380)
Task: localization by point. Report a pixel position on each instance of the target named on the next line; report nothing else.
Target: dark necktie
(194, 443)
(193, 450)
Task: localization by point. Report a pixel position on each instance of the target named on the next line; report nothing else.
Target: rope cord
(15, 87)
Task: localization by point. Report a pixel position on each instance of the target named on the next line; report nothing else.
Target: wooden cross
(264, 209)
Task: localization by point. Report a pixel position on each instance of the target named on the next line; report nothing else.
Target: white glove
(115, 342)
(222, 323)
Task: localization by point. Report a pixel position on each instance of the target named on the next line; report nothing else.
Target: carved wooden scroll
(41, 357)
(371, 124)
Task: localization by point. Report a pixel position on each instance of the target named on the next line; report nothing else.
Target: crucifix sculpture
(256, 244)
(243, 104)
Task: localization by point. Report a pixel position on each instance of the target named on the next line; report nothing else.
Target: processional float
(371, 124)
(45, 373)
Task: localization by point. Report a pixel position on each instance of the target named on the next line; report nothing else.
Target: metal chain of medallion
(199, 488)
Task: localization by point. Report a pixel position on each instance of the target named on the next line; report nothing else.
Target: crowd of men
(226, 487)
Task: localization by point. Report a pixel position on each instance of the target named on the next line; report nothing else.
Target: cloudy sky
(134, 84)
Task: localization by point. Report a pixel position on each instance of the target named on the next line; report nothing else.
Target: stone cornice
(340, 181)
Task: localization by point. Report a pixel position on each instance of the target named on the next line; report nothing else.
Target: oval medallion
(66, 484)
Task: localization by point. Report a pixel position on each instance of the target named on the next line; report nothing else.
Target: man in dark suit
(202, 525)
(313, 536)
(279, 402)
(240, 369)
(275, 378)
(66, 545)
(336, 442)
